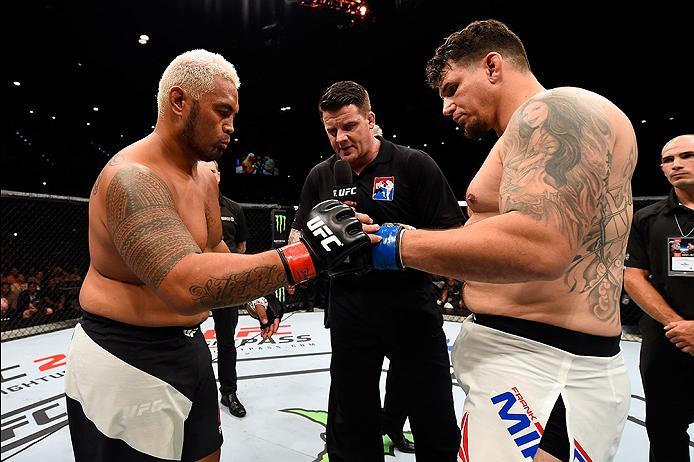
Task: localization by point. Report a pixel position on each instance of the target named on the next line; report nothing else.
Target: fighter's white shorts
(512, 383)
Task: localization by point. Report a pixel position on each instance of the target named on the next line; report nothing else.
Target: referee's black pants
(396, 401)
(415, 343)
(667, 374)
(225, 321)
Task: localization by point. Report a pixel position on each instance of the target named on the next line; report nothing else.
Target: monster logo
(281, 294)
(321, 417)
(280, 222)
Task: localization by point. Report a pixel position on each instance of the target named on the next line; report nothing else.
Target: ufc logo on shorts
(320, 229)
(142, 408)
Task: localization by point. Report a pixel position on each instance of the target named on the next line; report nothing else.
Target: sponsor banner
(299, 333)
(32, 388)
(280, 227)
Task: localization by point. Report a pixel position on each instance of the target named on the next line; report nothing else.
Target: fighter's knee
(542, 456)
(214, 457)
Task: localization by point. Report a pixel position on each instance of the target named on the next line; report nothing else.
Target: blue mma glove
(386, 254)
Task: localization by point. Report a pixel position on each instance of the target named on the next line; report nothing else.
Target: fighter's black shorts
(140, 393)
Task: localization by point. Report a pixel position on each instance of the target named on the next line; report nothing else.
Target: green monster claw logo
(280, 222)
(281, 294)
(321, 417)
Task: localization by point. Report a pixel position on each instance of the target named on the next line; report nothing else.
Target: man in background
(234, 235)
(665, 292)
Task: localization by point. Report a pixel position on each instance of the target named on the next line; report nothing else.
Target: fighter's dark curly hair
(472, 44)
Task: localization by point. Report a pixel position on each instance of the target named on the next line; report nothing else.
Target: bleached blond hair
(194, 71)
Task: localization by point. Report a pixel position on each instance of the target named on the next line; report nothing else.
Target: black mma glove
(330, 234)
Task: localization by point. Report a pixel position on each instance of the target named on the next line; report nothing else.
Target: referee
(391, 314)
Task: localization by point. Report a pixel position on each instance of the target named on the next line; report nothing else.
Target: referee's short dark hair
(344, 93)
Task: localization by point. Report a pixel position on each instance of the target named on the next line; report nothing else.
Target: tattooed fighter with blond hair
(139, 379)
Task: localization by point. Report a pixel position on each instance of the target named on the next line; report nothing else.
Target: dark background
(72, 56)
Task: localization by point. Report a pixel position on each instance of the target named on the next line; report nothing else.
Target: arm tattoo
(294, 235)
(557, 170)
(556, 163)
(598, 270)
(238, 288)
(95, 188)
(116, 160)
(144, 224)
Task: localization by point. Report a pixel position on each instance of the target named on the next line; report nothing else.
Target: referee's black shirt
(234, 229)
(648, 250)
(420, 196)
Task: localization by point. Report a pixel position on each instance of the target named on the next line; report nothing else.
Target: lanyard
(680, 228)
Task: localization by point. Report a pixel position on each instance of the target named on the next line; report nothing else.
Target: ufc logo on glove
(320, 229)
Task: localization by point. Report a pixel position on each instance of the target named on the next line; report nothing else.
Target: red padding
(298, 262)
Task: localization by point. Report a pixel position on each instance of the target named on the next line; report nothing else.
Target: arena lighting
(353, 7)
(16, 83)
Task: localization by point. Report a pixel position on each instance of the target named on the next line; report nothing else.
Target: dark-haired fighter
(542, 255)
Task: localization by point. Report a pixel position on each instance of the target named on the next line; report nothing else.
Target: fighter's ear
(177, 96)
(493, 64)
(372, 120)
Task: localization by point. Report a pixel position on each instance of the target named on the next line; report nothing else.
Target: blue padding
(385, 254)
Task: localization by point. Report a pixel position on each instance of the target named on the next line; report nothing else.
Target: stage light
(353, 7)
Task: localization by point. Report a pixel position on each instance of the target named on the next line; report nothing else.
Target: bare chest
(200, 214)
(482, 195)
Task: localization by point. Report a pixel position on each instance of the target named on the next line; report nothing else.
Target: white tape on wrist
(259, 300)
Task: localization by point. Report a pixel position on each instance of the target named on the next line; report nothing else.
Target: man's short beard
(190, 139)
(474, 129)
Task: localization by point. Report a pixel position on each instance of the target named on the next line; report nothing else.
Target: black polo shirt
(401, 185)
(234, 229)
(647, 250)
